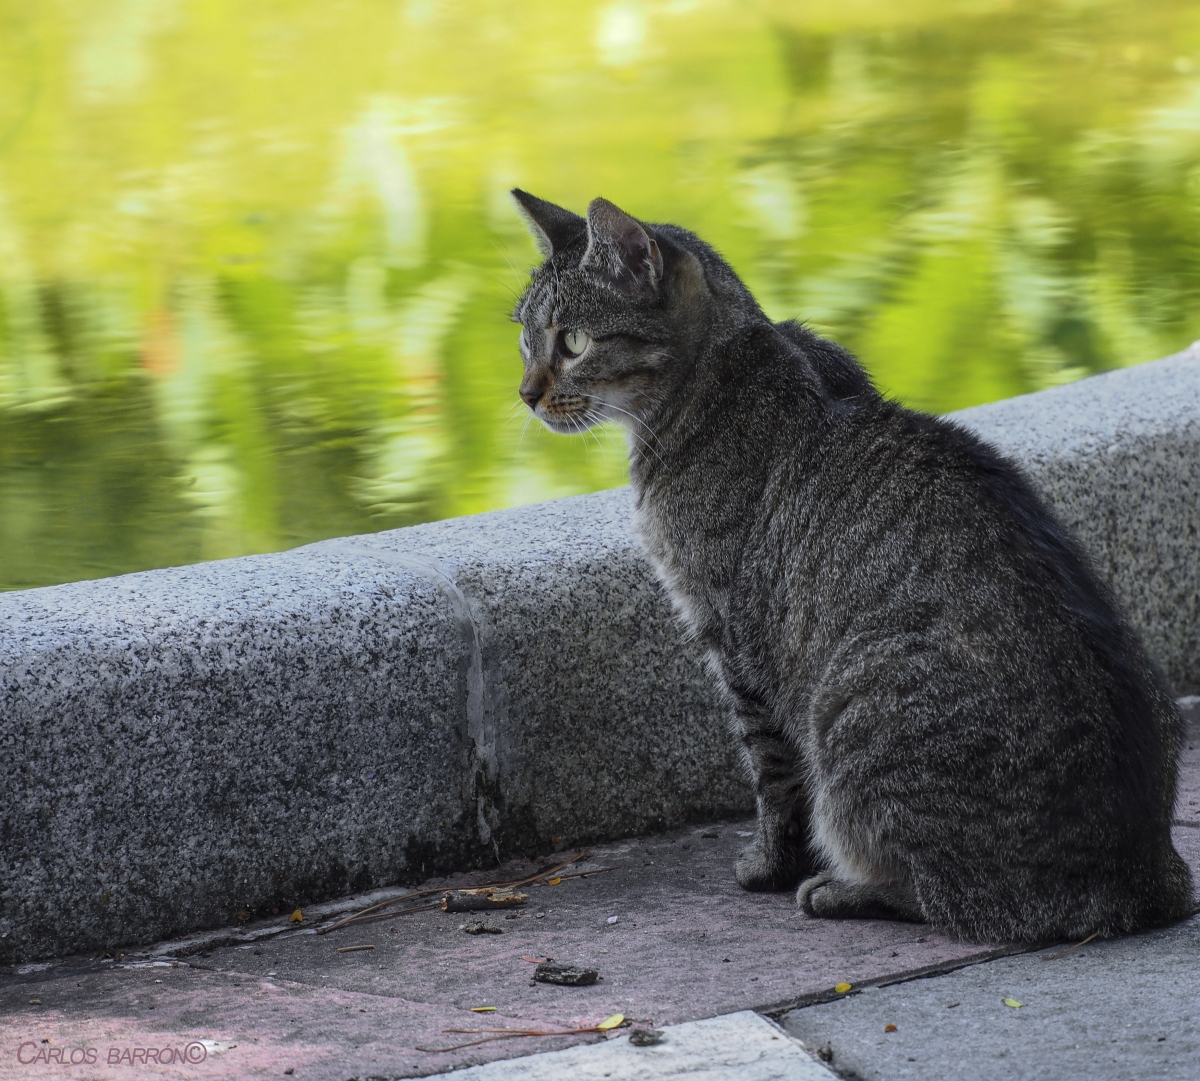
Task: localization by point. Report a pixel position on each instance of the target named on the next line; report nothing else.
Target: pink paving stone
(688, 943)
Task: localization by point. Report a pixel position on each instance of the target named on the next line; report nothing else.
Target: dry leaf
(611, 1022)
(481, 899)
(1013, 1003)
(842, 988)
(296, 917)
(554, 881)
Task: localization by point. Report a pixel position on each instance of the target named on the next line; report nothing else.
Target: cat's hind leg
(832, 898)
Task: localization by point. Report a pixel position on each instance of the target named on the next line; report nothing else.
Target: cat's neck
(747, 386)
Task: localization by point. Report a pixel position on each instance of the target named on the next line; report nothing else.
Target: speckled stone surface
(1118, 457)
(591, 717)
(181, 745)
(184, 744)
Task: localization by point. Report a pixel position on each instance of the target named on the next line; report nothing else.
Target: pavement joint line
(1114, 1011)
(737, 1044)
(818, 998)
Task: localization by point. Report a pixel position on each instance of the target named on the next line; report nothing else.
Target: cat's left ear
(553, 227)
(621, 245)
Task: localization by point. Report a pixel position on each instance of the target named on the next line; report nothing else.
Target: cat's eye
(575, 342)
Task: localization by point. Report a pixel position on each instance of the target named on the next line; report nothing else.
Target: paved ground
(1129, 1008)
(685, 944)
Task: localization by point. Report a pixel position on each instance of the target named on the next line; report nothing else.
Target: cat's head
(610, 320)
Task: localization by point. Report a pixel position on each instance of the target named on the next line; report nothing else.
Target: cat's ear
(553, 227)
(621, 245)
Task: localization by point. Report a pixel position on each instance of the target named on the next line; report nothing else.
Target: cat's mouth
(569, 420)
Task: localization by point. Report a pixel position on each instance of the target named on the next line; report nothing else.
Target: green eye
(575, 342)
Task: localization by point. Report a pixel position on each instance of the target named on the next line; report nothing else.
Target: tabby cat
(944, 717)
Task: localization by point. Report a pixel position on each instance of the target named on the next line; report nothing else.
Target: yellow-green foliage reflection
(256, 259)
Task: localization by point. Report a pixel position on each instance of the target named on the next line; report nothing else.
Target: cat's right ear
(553, 227)
(621, 245)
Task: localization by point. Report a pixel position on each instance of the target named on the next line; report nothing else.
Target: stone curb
(186, 744)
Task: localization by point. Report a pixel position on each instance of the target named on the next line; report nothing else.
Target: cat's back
(881, 523)
(926, 512)
(912, 485)
(934, 542)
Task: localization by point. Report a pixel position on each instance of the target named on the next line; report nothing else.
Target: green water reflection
(256, 259)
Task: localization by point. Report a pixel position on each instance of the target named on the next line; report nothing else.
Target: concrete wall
(184, 744)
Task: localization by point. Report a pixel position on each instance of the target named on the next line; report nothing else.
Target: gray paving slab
(1123, 1010)
(741, 1045)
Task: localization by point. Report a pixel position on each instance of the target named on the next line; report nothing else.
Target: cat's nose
(531, 396)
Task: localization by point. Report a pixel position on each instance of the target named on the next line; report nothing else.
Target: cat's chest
(678, 563)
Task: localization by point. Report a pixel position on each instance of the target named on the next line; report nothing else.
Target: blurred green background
(256, 260)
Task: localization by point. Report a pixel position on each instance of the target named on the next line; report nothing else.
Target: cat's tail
(1064, 903)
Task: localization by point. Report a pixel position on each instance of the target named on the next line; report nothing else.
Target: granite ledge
(186, 744)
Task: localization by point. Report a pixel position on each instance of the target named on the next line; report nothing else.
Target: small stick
(382, 904)
(373, 910)
(481, 900)
(1055, 957)
(584, 874)
(549, 872)
(507, 1034)
(353, 949)
(370, 914)
(378, 916)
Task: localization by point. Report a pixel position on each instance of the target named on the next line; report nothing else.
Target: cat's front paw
(766, 872)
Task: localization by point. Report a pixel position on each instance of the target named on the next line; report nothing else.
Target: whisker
(504, 255)
(578, 427)
(501, 282)
(595, 418)
(609, 405)
(648, 447)
(633, 432)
